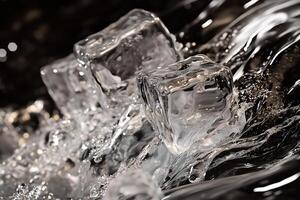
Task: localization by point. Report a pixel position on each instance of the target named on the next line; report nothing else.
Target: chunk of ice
(137, 40)
(72, 87)
(187, 101)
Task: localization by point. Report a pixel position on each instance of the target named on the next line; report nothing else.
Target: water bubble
(12, 46)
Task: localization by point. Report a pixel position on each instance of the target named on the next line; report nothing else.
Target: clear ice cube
(72, 87)
(187, 101)
(137, 40)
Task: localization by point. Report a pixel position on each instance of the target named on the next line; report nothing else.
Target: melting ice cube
(72, 86)
(137, 40)
(187, 101)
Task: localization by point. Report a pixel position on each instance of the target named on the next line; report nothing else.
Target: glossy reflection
(280, 182)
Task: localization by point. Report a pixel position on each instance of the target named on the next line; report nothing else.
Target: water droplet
(12, 46)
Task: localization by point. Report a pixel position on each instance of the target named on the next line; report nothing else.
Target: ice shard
(72, 87)
(188, 101)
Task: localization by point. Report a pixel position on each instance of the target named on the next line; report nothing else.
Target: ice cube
(187, 101)
(137, 40)
(72, 87)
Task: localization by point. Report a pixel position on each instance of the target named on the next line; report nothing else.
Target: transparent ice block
(72, 87)
(137, 40)
(188, 101)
